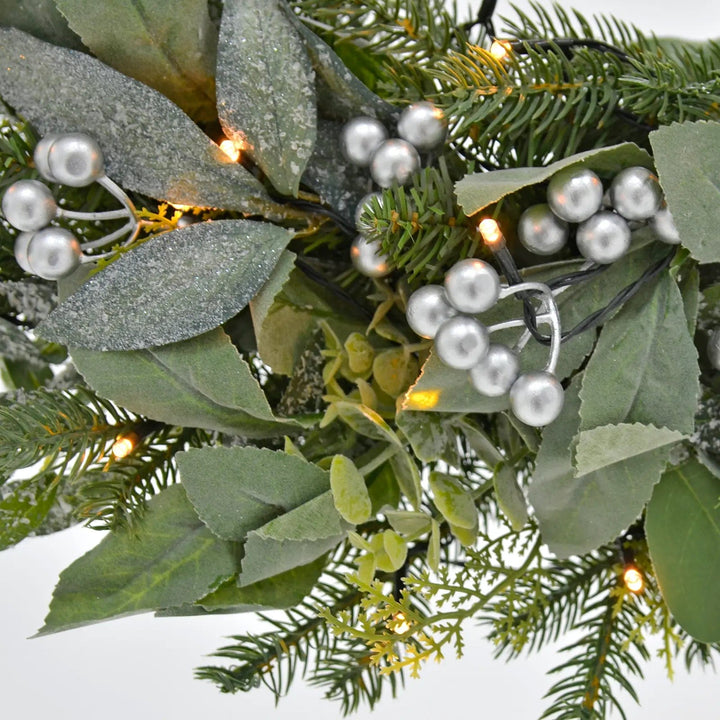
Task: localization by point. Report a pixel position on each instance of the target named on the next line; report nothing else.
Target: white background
(142, 667)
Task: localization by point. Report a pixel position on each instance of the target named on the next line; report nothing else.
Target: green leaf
(510, 496)
(17, 347)
(686, 156)
(453, 501)
(39, 18)
(683, 534)
(24, 505)
(172, 559)
(186, 282)
(644, 368)
(689, 285)
(411, 523)
(579, 511)
(265, 89)
(169, 46)
(202, 382)
(475, 192)
(293, 539)
(432, 437)
(407, 476)
(350, 494)
(150, 146)
(236, 490)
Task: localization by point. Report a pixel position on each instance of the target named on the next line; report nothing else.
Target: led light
(124, 445)
(181, 208)
(423, 399)
(399, 624)
(500, 49)
(633, 579)
(230, 149)
(491, 233)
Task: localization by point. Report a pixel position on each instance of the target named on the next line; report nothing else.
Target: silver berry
(21, 250)
(76, 160)
(423, 125)
(472, 286)
(53, 253)
(366, 203)
(496, 372)
(28, 205)
(360, 138)
(41, 156)
(663, 225)
(427, 310)
(574, 195)
(537, 398)
(541, 231)
(368, 258)
(635, 193)
(394, 162)
(604, 238)
(713, 348)
(461, 342)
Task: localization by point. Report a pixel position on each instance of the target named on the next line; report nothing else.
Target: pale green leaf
(475, 192)
(171, 560)
(410, 523)
(407, 476)
(186, 282)
(236, 490)
(687, 159)
(350, 494)
(433, 553)
(169, 46)
(39, 18)
(266, 97)
(432, 437)
(510, 496)
(644, 368)
(395, 550)
(150, 146)
(453, 501)
(683, 534)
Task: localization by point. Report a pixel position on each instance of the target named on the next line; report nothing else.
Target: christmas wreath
(369, 315)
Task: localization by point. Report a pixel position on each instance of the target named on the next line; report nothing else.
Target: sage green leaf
(185, 282)
(431, 437)
(644, 368)
(686, 156)
(266, 98)
(150, 146)
(201, 382)
(350, 494)
(407, 476)
(683, 533)
(39, 18)
(475, 192)
(411, 523)
(169, 46)
(395, 552)
(689, 285)
(433, 553)
(236, 490)
(24, 505)
(510, 496)
(453, 501)
(171, 559)
(577, 512)
(295, 538)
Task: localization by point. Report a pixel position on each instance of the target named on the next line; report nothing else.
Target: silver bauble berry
(713, 348)
(541, 231)
(423, 125)
(537, 398)
(28, 205)
(394, 162)
(496, 372)
(21, 250)
(41, 156)
(663, 225)
(360, 138)
(427, 310)
(574, 195)
(53, 253)
(368, 258)
(365, 203)
(635, 193)
(76, 160)
(472, 286)
(461, 342)
(604, 238)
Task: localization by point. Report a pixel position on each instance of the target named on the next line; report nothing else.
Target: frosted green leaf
(510, 496)
(366, 568)
(453, 501)
(41, 19)
(431, 436)
(410, 523)
(24, 505)
(394, 369)
(350, 494)
(202, 382)
(475, 192)
(171, 559)
(168, 46)
(433, 553)
(266, 97)
(683, 533)
(149, 144)
(644, 368)
(688, 165)
(395, 549)
(466, 536)
(185, 282)
(407, 476)
(17, 347)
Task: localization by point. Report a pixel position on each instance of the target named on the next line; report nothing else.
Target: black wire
(345, 226)
(484, 18)
(567, 45)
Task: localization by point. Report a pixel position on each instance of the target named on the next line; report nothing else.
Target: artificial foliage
(253, 421)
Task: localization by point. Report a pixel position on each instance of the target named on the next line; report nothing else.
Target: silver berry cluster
(72, 159)
(448, 313)
(365, 142)
(605, 219)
